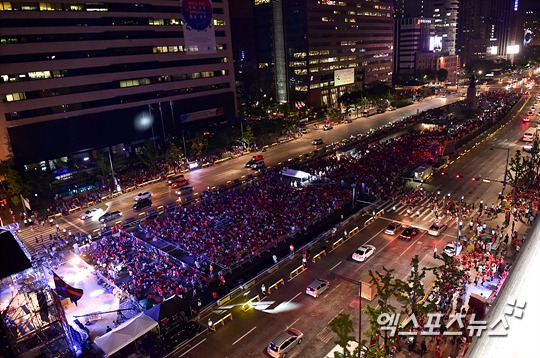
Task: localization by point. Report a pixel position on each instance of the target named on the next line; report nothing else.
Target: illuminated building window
(18, 96)
(50, 6)
(156, 22)
(5, 6)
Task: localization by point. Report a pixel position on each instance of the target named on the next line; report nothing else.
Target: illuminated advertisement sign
(344, 77)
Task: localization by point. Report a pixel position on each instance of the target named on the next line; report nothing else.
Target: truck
(369, 112)
(422, 173)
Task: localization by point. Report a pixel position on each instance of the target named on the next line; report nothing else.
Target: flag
(26, 202)
(66, 291)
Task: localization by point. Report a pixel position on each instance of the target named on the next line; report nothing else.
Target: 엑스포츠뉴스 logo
(197, 14)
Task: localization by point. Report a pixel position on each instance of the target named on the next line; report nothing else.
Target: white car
(392, 228)
(92, 213)
(363, 253)
(144, 195)
(437, 228)
(451, 249)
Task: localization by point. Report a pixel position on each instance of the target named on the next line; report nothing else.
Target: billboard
(199, 35)
(512, 49)
(344, 77)
(435, 43)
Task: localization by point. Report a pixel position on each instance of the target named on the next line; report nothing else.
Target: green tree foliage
(173, 154)
(448, 273)
(12, 186)
(342, 326)
(149, 155)
(410, 292)
(442, 74)
(520, 171)
(199, 144)
(332, 112)
(249, 135)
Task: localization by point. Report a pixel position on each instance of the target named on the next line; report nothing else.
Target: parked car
(317, 141)
(184, 190)
(284, 342)
(143, 195)
(327, 127)
(110, 216)
(141, 204)
(392, 228)
(92, 213)
(180, 183)
(437, 228)
(409, 233)
(317, 287)
(363, 253)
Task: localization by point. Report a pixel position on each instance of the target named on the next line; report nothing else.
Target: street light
(504, 182)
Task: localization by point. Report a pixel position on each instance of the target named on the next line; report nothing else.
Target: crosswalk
(421, 213)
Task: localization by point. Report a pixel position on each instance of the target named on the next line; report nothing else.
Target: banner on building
(199, 35)
(344, 77)
(207, 113)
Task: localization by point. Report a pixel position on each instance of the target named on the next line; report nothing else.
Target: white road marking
(412, 244)
(332, 290)
(336, 265)
(248, 332)
(298, 294)
(336, 316)
(292, 324)
(189, 350)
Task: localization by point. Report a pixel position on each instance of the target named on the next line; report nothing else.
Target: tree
(249, 135)
(448, 274)
(411, 291)
(332, 112)
(173, 154)
(442, 74)
(342, 325)
(12, 186)
(199, 144)
(520, 171)
(102, 167)
(149, 155)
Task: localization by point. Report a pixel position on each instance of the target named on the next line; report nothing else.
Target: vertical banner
(199, 35)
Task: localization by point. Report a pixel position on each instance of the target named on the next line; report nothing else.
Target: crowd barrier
(249, 303)
(318, 256)
(275, 285)
(220, 321)
(297, 271)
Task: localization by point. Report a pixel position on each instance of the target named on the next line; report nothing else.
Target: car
(253, 160)
(109, 216)
(143, 203)
(451, 249)
(317, 141)
(92, 213)
(409, 233)
(527, 148)
(392, 228)
(327, 127)
(304, 130)
(180, 183)
(317, 287)
(258, 165)
(180, 332)
(391, 108)
(174, 178)
(363, 253)
(144, 195)
(258, 157)
(184, 190)
(284, 342)
(436, 228)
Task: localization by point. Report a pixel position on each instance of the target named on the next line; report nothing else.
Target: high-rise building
(413, 35)
(505, 40)
(445, 15)
(531, 36)
(81, 75)
(412, 8)
(472, 36)
(314, 51)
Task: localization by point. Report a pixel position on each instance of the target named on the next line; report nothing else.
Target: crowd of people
(144, 271)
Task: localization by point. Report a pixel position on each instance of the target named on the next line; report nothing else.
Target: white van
(529, 135)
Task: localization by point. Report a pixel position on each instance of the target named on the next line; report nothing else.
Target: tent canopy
(168, 308)
(124, 334)
(298, 174)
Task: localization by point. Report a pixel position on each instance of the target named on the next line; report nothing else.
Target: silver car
(317, 287)
(284, 343)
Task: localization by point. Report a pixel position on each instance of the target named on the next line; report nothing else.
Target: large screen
(344, 77)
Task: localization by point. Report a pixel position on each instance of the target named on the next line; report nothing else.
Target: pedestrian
(476, 280)
(210, 324)
(435, 252)
(423, 348)
(108, 329)
(438, 351)
(274, 257)
(291, 249)
(263, 289)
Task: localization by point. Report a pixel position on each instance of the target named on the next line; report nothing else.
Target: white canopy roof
(124, 334)
(295, 173)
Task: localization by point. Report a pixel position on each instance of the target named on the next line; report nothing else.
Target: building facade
(473, 30)
(77, 76)
(314, 51)
(434, 61)
(413, 35)
(445, 15)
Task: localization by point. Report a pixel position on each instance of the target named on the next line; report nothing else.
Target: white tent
(297, 174)
(124, 334)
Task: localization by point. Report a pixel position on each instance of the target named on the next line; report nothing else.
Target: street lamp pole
(505, 172)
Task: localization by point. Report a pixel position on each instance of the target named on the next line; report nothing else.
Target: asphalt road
(233, 169)
(248, 333)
